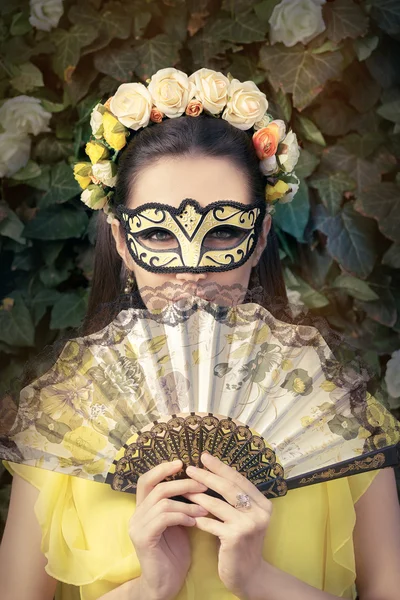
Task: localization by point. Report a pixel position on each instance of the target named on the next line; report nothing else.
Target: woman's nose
(190, 276)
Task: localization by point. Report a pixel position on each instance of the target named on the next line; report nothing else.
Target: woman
(312, 544)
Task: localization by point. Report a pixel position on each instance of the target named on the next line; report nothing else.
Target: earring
(130, 280)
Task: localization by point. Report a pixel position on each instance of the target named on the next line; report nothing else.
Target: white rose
(211, 89)
(45, 14)
(296, 304)
(269, 166)
(94, 197)
(263, 122)
(294, 21)
(96, 121)
(289, 152)
(171, 91)
(294, 188)
(246, 104)
(24, 114)
(131, 104)
(392, 375)
(106, 172)
(15, 149)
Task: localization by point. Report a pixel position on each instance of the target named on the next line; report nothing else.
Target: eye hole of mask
(220, 237)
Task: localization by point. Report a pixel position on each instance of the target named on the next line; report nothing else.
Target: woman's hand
(157, 530)
(241, 531)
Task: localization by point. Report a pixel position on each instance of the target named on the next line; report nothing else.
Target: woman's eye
(159, 235)
(225, 233)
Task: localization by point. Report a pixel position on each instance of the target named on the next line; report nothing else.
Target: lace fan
(265, 396)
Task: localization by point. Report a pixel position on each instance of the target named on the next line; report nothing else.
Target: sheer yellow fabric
(85, 537)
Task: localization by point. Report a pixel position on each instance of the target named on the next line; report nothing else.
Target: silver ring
(242, 501)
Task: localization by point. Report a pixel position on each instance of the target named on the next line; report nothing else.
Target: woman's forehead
(205, 179)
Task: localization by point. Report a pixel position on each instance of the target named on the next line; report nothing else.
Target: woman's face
(207, 180)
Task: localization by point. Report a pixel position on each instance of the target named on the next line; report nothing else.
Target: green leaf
(362, 145)
(30, 171)
(387, 14)
(63, 186)
(51, 276)
(331, 188)
(235, 6)
(57, 223)
(24, 261)
(50, 251)
(69, 310)
(293, 216)
(300, 72)
(156, 53)
(68, 46)
(383, 309)
(308, 130)
(355, 287)
(42, 300)
(306, 164)
(391, 258)
(10, 225)
(20, 24)
(310, 296)
(390, 110)
(363, 90)
(80, 83)
(245, 29)
(27, 78)
(51, 150)
(343, 19)
(119, 63)
(334, 117)
(111, 22)
(351, 239)
(363, 172)
(16, 326)
(245, 68)
(53, 107)
(365, 46)
(265, 9)
(382, 203)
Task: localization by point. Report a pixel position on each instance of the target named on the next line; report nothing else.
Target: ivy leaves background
(339, 238)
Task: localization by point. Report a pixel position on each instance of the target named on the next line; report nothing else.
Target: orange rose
(266, 140)
(194, 108)
(156, 115)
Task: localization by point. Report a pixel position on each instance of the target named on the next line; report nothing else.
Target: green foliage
(340, 237)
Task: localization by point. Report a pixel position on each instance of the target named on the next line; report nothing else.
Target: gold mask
(192, 239)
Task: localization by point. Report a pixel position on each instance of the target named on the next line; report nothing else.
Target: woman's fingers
(158, 525)
(149, 480)
(168, 505)
(150, 492)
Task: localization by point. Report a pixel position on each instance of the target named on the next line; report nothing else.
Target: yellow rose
(84, 443)
(246, 104)
(131, 104)
(274, 192)
(94, 197)
(82, 172)
(171, 91)
(114, 132)
(96, 151)
(211, 89)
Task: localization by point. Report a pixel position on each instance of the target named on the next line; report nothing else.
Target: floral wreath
(171, 93)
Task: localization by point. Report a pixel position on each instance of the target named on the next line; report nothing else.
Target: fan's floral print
(240, 362)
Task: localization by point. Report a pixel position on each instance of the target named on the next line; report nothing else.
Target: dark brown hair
(184, 136)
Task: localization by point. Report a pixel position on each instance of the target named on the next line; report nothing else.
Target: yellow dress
(85, 537)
